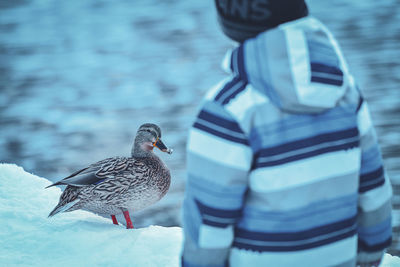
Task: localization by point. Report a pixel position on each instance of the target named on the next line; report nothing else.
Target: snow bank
(79, 238)
(390, 261)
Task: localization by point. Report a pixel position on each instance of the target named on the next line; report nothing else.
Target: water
(77, 78)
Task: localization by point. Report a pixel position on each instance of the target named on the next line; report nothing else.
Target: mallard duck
(120, 184)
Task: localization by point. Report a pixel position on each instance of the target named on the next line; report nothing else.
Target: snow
(79, 238)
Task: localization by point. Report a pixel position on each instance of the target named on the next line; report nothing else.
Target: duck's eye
(152, 132)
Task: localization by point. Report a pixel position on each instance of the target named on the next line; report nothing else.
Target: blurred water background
(77, 78)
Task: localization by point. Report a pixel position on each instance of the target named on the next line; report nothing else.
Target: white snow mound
(79, 238)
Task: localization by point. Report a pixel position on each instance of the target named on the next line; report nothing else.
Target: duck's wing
(96, 173)
(137, 176)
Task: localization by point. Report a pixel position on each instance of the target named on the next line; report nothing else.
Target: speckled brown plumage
(116, 184)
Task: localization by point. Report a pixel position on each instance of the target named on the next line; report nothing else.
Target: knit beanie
(243, 19)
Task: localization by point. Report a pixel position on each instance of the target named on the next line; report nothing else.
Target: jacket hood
(298, 65)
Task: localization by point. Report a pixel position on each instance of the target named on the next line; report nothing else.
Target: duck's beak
(160, 145)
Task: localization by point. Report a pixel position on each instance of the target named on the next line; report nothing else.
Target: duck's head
(147, 137)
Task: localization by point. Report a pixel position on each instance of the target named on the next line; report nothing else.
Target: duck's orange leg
(129, 224)
(114, 219)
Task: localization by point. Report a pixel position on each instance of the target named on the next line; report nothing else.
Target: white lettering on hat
(252, 10)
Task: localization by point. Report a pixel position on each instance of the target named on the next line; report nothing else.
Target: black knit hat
(243, 19)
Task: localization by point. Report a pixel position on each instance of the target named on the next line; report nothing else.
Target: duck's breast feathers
(97, 172)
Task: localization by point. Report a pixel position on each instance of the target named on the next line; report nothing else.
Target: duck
(119, 185)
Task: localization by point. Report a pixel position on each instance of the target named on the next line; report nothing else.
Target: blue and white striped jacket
(283, 163)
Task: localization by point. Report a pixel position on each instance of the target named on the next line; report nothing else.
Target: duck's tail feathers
(61, 208)
(58, 183)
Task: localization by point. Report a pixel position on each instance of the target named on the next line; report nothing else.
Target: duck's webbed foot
(129, 224)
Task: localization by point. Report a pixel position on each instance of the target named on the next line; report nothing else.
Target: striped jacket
(283, 163)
